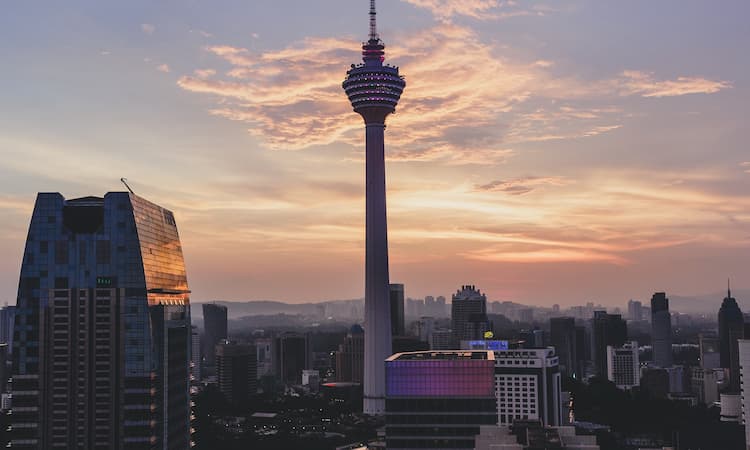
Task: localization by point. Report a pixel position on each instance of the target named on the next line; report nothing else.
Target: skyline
(603, 160)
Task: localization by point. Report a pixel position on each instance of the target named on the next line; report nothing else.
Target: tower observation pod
(374, 90)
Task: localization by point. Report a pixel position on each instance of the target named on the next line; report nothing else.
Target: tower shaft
(377, 294)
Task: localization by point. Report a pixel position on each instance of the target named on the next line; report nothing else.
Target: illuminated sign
(104, 282)
(488, 345)
(489, 334)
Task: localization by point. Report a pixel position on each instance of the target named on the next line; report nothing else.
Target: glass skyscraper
(102, 330)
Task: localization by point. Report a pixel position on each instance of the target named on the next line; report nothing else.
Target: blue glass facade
(102, 329)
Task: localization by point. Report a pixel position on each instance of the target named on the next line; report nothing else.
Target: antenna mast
(125, 182)
(373, 22)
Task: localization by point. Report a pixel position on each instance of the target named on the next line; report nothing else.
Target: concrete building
(623, 365)
(102, 357)
(710, 356)
(533, 436)
(236, 371)
(563, 338)
(744, 347)
(441, 340)
(606, 330)
(635, 310)
(468, 314)
(438, 399)
(528, 386)
(292, 357)
(397, 309)
(7, 321)
(195, 356)
(375, 102)
(265, 350)
(661, 330)
(350, 358)
(731, 328)
(214, 329)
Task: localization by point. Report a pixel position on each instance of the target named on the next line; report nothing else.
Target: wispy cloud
(644, 84)
(520, 186)
(746, 166)
(148, 28)
(163, 68)
(445, 10)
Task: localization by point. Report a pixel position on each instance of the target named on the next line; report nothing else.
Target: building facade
(214, 330)
(196, 360)
(292, 357)
(397, 309)
(468, 314)
(661, 330)
(731, 329)
(103, 321)
(623, 365)
(606, 330)
(350, 358)
(438, 399)
(528, 386)
(236, 371)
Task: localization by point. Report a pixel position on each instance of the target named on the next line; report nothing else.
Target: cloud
(205, 34)
(104, 52)
(163, 68)
(746, 166)
(445, 10)
(204, 73)
(634, 82)
(148, 28)
(520, 186)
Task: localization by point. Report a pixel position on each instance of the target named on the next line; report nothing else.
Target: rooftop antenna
(125, 182)
(729, 290)
(373, 22)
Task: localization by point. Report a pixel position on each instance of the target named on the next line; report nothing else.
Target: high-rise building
(528, 386)
(731, 328)
(236, 371)
(661, 330)
(265, 349)
(103, 321)
(350, 358)
(708, 347)
(623, 365)
(468, 314)
(293, 356)
(440, 339)
(397, 309)
(214, 330)
(635, 310)
(374, 90)
(195, 356)
(563, 338)
(439, 399)
(7, 321)
(744, 348)
(607, 330)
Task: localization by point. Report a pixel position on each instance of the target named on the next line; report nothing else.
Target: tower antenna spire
(729, 290)
(373, 22)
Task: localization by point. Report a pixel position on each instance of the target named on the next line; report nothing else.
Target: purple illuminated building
(439, 399)
(374, 90)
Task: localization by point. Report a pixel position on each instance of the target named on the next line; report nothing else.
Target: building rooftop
(443, 355)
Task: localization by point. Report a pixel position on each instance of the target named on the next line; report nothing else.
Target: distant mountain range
(707, 304)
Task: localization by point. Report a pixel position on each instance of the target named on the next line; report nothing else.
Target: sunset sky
(545, 151)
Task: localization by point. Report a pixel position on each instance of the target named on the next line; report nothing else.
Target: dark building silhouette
(607, 329)
(397, 310)
(350, 358)
(661, 330)
(731, 328)
(237, 371)
(374, 90)
(102, 354)
(564, 338)
(468, 314)
(293, 357)
(214, 329)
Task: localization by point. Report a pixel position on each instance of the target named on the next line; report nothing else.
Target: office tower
(623, 365)
(7, 320)
(4, 372)
(236, 370)
(441, 339)
(265, 351)
(704, 384)
(195, 355)
(350, 358)
(468, 314)
(441, 307)
(528, 386)
(563, 338)
(397, 309)
(293, 356)
(744, 348)
(374, 90)
(661, 330)
(425, 327)
(533, 436)
(214, 330)
(635, 310)
(526, 315)
(731, 326)
(607, 329)
(103, 321)
(438, 399)
(708, 347)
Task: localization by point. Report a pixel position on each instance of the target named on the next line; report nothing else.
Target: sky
(544, 151)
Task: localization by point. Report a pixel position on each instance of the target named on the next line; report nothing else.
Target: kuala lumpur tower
(374, 90)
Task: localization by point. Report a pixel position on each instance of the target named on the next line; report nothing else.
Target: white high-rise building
(744, 345)
(528, 386)
(623, 365)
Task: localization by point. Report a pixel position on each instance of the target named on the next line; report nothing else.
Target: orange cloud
(521, 186)
(642, 83)
(445, 10)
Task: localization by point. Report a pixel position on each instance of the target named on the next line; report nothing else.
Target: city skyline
(585, 153)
